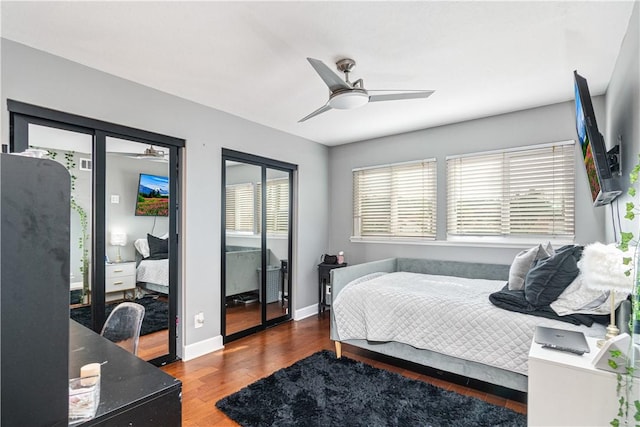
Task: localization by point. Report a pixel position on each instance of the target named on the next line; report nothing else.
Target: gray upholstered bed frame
(341, 276)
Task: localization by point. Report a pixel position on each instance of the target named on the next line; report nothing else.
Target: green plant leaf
(631, 191)
(625, 239)
(612, 363)
(615, 422)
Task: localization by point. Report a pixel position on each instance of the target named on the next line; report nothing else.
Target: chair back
(123, 326)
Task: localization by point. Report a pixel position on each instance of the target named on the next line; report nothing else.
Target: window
(244, 206)
(516, 193)
(240, 208)
(277, 206)
(395, 201)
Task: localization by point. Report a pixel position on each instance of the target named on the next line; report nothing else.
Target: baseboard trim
(210, 345)
(305, 312)
(201, 348)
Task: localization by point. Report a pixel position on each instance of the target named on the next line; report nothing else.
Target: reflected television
(153, 195)
(598, 162)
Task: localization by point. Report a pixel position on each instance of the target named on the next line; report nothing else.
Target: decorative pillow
(158, 248)
(521, 265)
(551, 276)
(142, 246)
(549, 249)
(601, 267)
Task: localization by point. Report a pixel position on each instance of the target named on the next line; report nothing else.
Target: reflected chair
(123, 326)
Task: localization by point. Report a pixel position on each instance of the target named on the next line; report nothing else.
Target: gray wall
(623, 114)
(36, 77)
(122, 180)
(540, 125)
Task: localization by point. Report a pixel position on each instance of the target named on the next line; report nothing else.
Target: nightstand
(566, 390)
(120, 277)
(324, 278)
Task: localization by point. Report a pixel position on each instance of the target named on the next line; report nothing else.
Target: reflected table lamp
(118, 238)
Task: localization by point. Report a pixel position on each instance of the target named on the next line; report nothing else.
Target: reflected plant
(84, 239)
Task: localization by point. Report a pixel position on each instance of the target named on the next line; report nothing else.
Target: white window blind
(240, 208)
(514, 193)
(395, 201)
(277, 205)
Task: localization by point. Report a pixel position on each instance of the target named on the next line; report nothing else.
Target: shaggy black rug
(156, 314)
(324, 391)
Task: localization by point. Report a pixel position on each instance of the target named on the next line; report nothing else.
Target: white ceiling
(249, 58)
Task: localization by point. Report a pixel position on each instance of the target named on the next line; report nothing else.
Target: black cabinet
(324, 278)
(34, 291)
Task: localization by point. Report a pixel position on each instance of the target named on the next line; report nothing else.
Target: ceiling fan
(345, 95)
(149, 153)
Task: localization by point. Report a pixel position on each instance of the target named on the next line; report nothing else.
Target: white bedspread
(449, 315)
(153, 271)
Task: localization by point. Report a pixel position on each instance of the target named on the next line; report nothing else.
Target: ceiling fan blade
(399, 96)
(320, 110)
(329, 77)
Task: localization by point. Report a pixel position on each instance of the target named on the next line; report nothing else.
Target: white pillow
(142, 246)
(601, 267)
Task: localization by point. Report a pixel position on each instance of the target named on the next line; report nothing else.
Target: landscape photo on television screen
(153, 196)
(585, 146)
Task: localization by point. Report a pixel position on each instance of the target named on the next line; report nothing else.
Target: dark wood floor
(209, 378)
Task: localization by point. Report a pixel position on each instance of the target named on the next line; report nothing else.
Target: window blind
(520, 192)
(240, 208)
(277, 205)
(396, 200)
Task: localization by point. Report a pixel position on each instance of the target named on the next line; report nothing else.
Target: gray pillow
(550, 276)
(521, 265)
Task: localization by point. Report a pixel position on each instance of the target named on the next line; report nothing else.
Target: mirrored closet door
(137, 218)
(74, 150)
(124, 218)
(256, 247)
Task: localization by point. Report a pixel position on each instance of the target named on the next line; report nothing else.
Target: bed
(438, 314)
(153, 275)
(152, 264)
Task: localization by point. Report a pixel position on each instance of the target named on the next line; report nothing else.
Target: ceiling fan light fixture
(348, 100)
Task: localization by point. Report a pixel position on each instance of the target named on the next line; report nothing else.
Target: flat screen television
(598, 163)
(153, 195)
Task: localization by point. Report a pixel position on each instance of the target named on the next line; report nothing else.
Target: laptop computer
(561, 339)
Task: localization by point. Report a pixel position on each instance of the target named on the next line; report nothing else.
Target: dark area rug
(156, 314)
(324, 391)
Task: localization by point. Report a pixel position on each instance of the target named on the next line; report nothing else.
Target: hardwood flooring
(209, 378)
(153, 345)
(239, 317)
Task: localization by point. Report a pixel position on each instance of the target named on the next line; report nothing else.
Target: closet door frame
(265, 163)
(23, 114)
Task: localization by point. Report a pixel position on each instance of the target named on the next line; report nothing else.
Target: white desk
(566, 390)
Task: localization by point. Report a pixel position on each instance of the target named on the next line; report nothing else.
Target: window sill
(475, 243)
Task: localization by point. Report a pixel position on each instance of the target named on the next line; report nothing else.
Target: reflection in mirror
(277, 215)
(73, 151)
(243, 252)
(137, 228)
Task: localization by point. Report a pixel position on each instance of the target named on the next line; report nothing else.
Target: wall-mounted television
(153, 195)
(598, 162)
